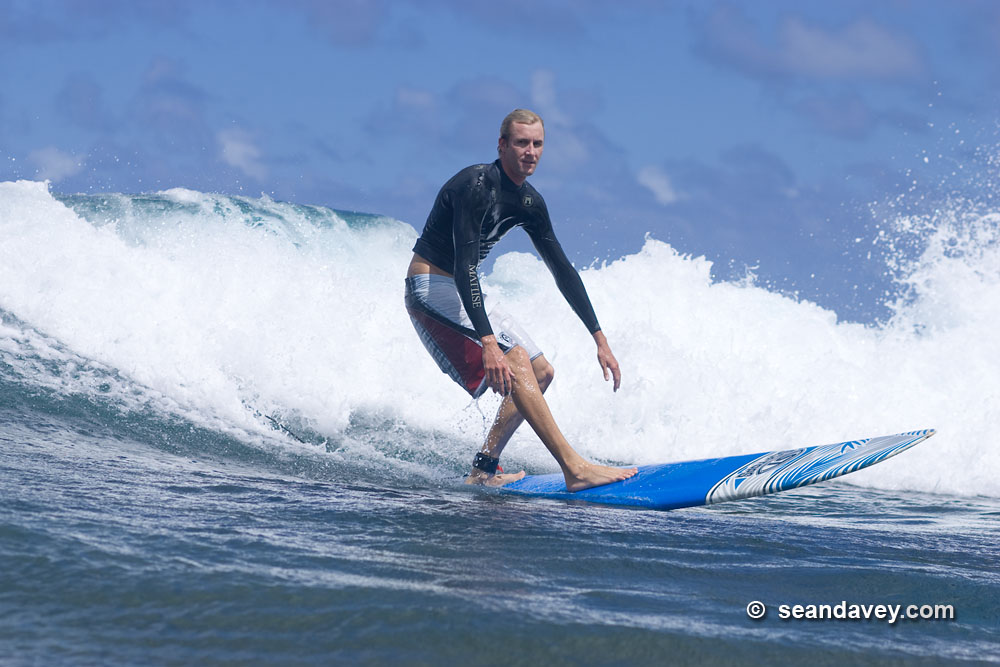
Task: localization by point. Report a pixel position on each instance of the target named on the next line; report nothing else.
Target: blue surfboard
(668, 486)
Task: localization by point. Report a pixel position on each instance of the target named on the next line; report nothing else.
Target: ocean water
(222, 443)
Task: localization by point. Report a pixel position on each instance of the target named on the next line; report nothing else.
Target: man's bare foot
(591, 475)
(477, 476)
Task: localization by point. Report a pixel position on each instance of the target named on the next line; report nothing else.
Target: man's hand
(607, 360)
(499, 377)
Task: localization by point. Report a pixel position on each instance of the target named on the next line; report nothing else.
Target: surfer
(472, 212)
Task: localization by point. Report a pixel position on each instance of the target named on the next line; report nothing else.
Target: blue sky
(756, 133)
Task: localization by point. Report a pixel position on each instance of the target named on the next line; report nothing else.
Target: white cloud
(415, 98)
(860, 49)
(239, 151)
(571, 150)
(52, 164)
(658, 182)
(543, 96)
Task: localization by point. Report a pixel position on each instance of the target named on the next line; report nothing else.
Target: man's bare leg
(527, 396)
(509, 418)
(507, 421)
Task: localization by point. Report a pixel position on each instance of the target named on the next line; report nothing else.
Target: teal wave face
(138, 211)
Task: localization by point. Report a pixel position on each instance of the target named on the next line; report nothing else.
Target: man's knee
(544, 372)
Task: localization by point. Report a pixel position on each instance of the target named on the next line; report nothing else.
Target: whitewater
(226, 311)
(221, 442)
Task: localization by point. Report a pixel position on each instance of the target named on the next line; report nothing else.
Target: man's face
(521, 151)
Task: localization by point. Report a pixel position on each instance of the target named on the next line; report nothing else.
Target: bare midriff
(420, 266)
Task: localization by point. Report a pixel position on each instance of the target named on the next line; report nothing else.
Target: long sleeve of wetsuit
(567, 278)
(467, 227)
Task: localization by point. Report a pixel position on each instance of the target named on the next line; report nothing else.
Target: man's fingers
(611, 370)
(608, 364)
(614, 373)
(500, 379)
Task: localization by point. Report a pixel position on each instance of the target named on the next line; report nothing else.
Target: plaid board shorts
(437, 313)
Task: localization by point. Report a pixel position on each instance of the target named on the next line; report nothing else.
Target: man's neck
(517, 183)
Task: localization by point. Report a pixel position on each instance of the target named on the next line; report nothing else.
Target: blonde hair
(525, 116)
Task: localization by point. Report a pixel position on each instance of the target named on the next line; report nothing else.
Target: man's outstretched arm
(571, 285)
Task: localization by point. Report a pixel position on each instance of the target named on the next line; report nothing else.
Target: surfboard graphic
(686, 484)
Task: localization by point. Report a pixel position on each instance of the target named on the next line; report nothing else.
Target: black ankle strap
(486, 463)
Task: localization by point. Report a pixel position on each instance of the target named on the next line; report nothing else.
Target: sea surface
(222, 443)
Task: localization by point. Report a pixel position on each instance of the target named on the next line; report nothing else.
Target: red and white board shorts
(446, 331)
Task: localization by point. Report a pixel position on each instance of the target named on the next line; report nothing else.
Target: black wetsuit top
(472, 212)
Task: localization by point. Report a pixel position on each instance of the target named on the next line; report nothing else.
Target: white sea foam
(217, 303)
